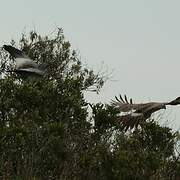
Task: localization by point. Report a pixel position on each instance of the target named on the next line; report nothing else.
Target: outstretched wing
(16, 53)
(22, 60)
(130, 120)
(123, 104)
(24, 65)
(132, 114)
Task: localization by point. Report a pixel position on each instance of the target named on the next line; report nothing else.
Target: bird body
(135, 113)
(24, 65)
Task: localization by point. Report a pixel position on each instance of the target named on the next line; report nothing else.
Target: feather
(132, 114)
(117, 98)
(16, 53)
(126, 99)
(23, 63)
(131, 101)
(121, 98)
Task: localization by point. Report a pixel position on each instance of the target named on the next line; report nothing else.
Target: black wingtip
(131, 102)
(7, 47)
(117, 98)
(121, 98)
(125, 97)
(13, 51)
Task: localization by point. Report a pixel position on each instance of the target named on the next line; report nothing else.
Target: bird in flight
(132, 114)
(24, 65)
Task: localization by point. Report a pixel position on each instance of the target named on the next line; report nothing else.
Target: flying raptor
(131, 114)
(24, 65)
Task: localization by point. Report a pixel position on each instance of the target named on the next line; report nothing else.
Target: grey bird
(132, 114)
(24, 65)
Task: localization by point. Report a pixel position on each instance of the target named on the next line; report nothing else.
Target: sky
(137, 43)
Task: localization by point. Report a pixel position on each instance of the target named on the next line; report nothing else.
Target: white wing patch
(131, 113)
(136, 114)
(20, 62)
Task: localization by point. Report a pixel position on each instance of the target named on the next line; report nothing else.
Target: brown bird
(132, 114)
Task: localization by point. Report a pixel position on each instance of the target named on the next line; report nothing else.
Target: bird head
(175, 102)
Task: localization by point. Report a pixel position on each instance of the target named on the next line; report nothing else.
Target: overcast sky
(138, 42)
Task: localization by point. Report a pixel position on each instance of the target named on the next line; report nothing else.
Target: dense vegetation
(48, 132)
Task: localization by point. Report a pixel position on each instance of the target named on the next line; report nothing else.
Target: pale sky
(138, 41)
